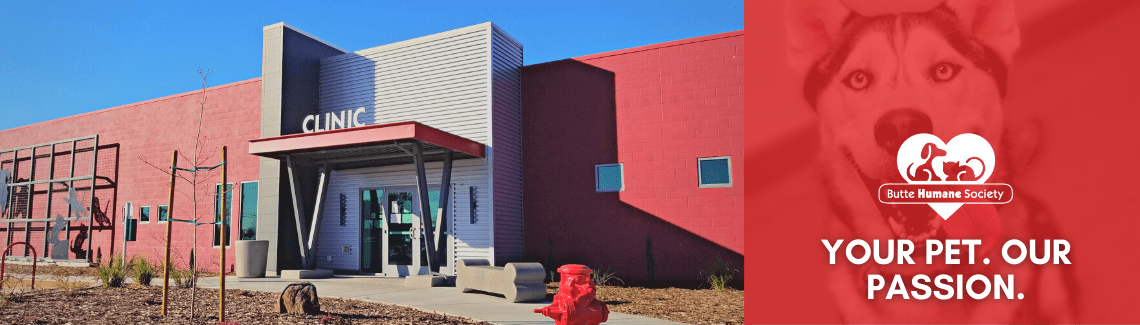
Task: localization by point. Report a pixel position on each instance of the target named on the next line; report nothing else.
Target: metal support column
(47, 209)
(70, 185)
(91, 212)
(28, 205)
(298, 210)
(317, 207)
(12, 199)
(425, 207)
(441, 215)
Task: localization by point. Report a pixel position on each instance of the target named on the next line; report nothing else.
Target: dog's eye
(857, 80)
(944, 71)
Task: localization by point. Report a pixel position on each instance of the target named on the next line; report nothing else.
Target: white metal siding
(506, 133)
(466, 82)
(470, 240)
(438, 80)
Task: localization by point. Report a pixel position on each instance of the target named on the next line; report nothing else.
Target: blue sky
(66, 58)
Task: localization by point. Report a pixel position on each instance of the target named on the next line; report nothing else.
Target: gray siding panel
(466, 82)
(439, 80)
(506, 103)
(290, 66)
(470, 240)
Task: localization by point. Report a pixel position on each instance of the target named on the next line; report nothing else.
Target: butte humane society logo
(945, 175)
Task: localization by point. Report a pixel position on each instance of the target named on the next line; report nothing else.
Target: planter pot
(251, 258)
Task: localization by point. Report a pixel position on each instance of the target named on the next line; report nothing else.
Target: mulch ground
(143, 305)
(702, 306)
(48, 269)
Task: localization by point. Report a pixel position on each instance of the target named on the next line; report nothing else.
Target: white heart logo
(966, 159)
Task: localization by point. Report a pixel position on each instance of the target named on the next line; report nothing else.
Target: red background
(1076, 72)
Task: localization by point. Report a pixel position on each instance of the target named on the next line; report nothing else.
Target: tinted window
(248, 211)
(715, 172)
(608, 178)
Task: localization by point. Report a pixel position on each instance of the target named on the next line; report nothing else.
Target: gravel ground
(142, 305)
(690, 306)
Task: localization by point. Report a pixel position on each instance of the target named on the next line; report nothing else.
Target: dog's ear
(812, 26)
(994, 22)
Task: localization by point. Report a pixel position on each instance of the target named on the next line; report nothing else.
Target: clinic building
(628, 160)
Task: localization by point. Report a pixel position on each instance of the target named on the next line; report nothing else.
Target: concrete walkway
(445, 300)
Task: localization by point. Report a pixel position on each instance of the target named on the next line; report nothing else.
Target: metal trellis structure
(23, 181)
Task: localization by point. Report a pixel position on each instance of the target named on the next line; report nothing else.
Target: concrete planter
(251, 258)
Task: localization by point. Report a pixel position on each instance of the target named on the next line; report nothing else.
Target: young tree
(200, 176)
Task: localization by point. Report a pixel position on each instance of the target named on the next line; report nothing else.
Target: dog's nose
(899, 124)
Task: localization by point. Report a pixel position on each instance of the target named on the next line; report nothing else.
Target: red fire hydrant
(575, 303)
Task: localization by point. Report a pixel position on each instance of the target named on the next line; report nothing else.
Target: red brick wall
(676, 102)
(147, 130)
(656, 109)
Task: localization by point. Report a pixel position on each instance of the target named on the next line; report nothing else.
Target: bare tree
(200, 177)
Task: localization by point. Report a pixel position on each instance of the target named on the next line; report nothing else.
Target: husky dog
(877, 78)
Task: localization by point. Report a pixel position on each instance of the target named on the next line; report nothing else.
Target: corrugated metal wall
(440, 80)
(466, 82)
(506, 133)
(470, 240)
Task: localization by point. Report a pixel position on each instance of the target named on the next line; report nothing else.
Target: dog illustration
(876, 77)
(962, 171)
(929, 152)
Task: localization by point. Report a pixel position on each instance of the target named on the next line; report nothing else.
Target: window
(608, 178)
(163, 213)
(433, 202)
(715, 171)
(218, 209)
(144, 214)
(472, 196)
(131, 224)
(132, 229)
(248, 211)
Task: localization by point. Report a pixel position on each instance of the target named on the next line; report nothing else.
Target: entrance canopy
(372, 145)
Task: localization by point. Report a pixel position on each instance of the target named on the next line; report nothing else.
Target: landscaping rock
(299, 298)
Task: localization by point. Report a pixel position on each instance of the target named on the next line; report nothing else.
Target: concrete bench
(519, 282)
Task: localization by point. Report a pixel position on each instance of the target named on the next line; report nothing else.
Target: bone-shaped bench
(519, 282)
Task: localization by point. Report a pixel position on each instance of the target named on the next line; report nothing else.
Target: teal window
(715, 171)
(144, 214)
(608, 178)
(433, 201)
(132, 229)
(248, 211)
(163, 213)
(218, 209)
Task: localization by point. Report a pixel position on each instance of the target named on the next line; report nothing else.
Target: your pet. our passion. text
(946, 286)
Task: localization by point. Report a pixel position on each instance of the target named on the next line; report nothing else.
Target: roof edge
(298, 30)
(643, 48)
(148, 101)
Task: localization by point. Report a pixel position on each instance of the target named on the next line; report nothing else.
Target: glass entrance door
(404, 236)
(373, 231)
(391, 233)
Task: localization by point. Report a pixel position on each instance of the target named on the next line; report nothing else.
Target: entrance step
(306, 274)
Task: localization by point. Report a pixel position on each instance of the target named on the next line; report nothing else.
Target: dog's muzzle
(900, 124)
